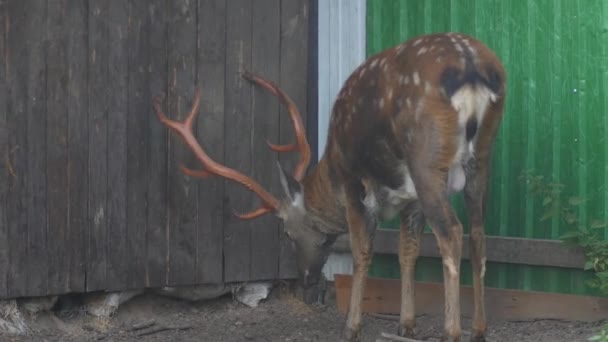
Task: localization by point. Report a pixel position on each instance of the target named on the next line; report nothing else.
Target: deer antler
(301, 143)
(211, 167)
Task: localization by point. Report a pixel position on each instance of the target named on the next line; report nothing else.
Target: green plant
(602, 336)
(590, 238)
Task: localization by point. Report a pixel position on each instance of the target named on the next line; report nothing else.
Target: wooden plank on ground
(17, 150)
(265, 61)
(4, 156)
(36, 189)
(118, 102)
(57, 148)
(384, 295)
(524, 251)
(77, 112)
(98, 144)
(156, 237)
(237, 136)
(210, 126)
(293, 80)
(137, 146)
(183, 197)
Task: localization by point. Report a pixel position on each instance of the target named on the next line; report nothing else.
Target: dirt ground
(281, 317)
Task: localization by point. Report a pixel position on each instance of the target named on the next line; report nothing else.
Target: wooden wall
(91, 197)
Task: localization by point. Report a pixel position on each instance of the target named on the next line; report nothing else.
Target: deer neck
(324, 201)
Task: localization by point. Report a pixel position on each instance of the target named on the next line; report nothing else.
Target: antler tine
(301, 143)
(210, 166)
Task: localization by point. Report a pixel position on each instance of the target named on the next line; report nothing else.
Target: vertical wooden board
(4, 173)
(293, 80)
(17, 150)
(183, 198)
(77, 112)
(57, 148)
(211, 68)
(98, 145)
(265, 58)
(237, 133)
(137, 149)
(117, 255)
(36, 148)
(156, 236)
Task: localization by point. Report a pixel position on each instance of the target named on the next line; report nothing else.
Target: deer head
(311, 245)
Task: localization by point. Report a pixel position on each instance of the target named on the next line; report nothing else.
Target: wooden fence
(91, 197)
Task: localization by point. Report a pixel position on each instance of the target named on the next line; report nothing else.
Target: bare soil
(281, 317)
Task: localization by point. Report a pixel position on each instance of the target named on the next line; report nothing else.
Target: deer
(411, 126)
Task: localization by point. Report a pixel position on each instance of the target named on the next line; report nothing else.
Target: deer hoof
(349, 335)
(405, 331)
(478, 337)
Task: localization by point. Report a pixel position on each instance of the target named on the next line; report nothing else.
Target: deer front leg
(361, 228)
(475, 197)
(412, 223)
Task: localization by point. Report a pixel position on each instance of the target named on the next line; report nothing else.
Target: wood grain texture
(78, 149)
(36, 116)
(4, 166)
(384, 296)
(156, 237)
(237, 140)
(98, 145)
(524, 251)
(183, 197)
(265, 61)
(210, 127)
(117, 88)
(57, 148)
(16, 211)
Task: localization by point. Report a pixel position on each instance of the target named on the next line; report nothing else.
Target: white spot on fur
(383, 61)
(408, 102)
(483, 267)
(451, 265)
(381, 104)
(458, 47)
(416, 78)
(373, 63)
(390, 94)
(418, 41)
(362, 72)
(427, 87)
(438, 59)
(422, 50)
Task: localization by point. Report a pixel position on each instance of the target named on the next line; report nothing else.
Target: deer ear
(291, 187)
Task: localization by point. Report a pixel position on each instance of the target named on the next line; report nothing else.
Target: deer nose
(309, 279)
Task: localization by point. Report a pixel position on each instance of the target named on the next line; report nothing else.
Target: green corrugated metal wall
(556, 120)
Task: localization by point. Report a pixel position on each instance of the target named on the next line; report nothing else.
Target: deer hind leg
(412, 223)
(361, 227)
(439, 214)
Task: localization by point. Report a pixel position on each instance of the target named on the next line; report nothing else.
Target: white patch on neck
(298, 200)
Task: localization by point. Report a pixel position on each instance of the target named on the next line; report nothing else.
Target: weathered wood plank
(384, 296)
(98, 145)
(211, 67)
(265, 110)
(293, 80)
(4, 170)
(117, 87)
(57, 148)
(237, 144)
(156, 240)
(77, 112)
(16, 66)
(498, 249)
(36, 114)
(183, 197)
(137, 146)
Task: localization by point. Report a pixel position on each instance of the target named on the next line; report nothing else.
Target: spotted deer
(410, 126)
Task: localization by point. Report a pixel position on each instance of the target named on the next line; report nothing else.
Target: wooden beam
(536, 252)
(383, 296)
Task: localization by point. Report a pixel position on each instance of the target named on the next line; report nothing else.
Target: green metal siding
(556, 119)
